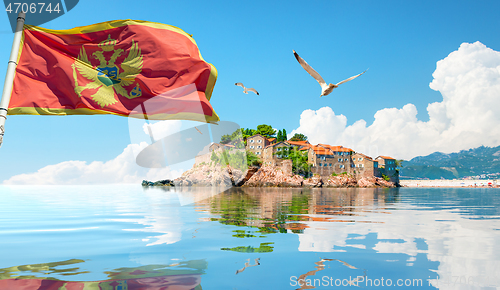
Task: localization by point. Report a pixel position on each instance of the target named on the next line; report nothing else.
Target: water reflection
(183, 275)
(307, 282)
(276, 210)
(247, 265)
(435, 239)
(441, 238)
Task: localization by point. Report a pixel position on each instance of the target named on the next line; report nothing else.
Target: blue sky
(400, 42)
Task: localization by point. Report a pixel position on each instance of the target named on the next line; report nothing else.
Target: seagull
(325, 89)
(246, 90)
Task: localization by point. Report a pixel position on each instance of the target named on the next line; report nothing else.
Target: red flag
(113, 67)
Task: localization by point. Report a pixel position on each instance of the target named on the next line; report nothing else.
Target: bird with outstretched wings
(325, 88)
(246, 90)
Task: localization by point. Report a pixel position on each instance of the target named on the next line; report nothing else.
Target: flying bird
(246, 90)
(325, 89)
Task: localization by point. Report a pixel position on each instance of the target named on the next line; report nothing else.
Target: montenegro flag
(123, 67)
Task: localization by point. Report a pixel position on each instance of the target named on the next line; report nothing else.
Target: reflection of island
(451, 233)
(180, 276)
(278, 210)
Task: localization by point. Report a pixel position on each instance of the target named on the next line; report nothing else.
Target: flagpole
(11, 69)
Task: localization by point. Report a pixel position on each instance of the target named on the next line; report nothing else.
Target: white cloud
(121, 169)
(161, 129)
(468, 117)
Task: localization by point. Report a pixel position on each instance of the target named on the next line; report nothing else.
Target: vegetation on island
(300, 164)
(299, 137)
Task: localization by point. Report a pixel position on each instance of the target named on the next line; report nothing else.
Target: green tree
(300, 164)
(225, 139)
(249, 132)
(252, 159)
(299, 137)
(284, 135)
(266, 131)
(236, 138)
(279, 137)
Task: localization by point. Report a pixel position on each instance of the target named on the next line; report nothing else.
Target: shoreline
(450, 183)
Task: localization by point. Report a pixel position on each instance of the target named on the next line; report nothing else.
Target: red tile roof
(336, 148)
(365, 156)
(385, 157)
(271, 145)
(298, 143)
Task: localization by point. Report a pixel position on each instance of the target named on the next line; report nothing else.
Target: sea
(124, 237)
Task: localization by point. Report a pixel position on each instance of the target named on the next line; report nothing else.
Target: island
(262, 158)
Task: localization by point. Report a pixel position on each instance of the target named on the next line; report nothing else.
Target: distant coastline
(451, 183)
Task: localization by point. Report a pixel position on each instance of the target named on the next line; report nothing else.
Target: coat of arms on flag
(107, 77)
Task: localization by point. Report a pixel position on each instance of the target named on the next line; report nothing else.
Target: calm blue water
(127, 237)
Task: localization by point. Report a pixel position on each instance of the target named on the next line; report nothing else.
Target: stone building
(327, 159)
(257, 143)
(274, 153)
(387, 166)
(364, 166)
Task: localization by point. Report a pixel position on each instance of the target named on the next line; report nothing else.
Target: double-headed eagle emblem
(107, 77)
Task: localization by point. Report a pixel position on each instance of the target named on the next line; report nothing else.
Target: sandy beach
(451, 183)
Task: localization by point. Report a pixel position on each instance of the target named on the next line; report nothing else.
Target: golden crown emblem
(108, 44)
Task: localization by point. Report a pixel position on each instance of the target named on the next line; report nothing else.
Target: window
(340, 159)
(259, 147)
(260, 141)
(321, 164)
(361, 165)
(341, 165)
(251, 147)
(346, 159)
(251, 141)
(279, 149)
(330, 165)
(258, 153)
(359, 159)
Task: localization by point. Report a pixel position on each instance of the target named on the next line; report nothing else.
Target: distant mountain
(479, 162)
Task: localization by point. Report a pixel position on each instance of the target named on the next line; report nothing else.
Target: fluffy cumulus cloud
(121, 169)
(468, 117)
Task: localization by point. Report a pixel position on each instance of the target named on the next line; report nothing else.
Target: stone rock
(367, 181)
(272, 176)
(382, 182)
(166, 182)
(207, 175)
(314, 181)
(343, 180)
(248, 174)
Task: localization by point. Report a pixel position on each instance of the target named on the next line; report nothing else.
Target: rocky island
(254, 158)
